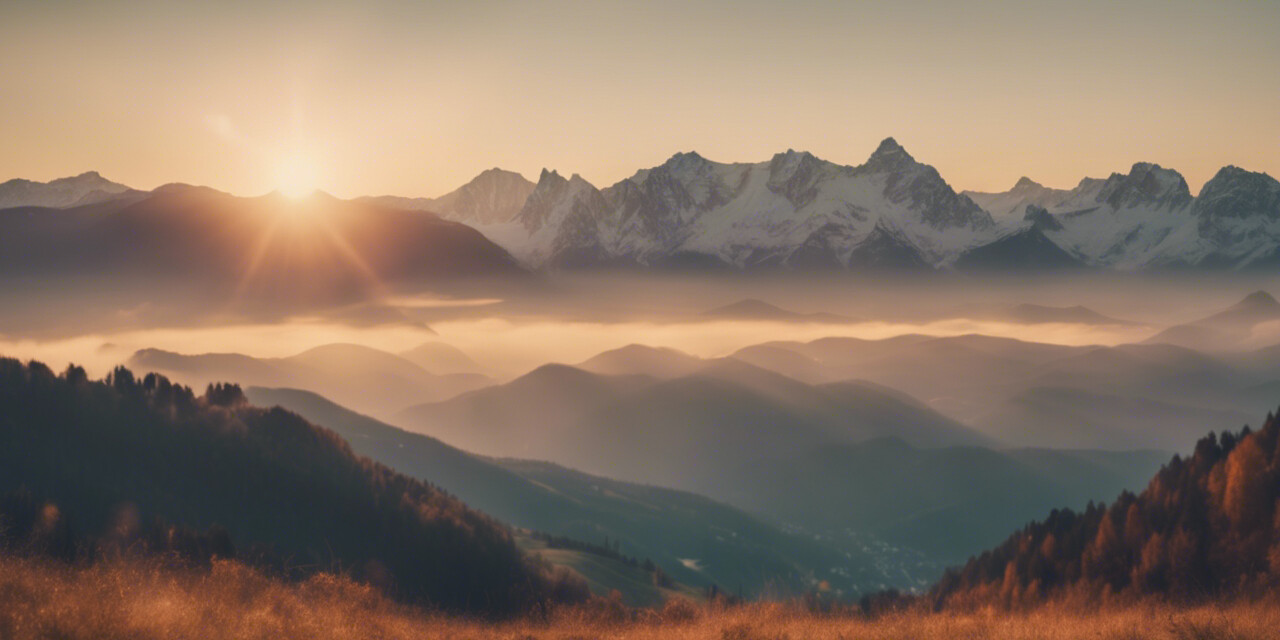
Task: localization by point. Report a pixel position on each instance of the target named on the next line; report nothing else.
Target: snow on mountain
(86, 188)
(1148, 218)
(493, 197)
(794, 210)
(801, 212)
(1237, 221)
(1012, 204)
(1126, 221)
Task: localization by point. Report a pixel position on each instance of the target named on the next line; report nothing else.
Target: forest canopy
(128, 463)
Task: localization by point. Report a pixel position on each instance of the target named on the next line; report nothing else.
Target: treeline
(1206, 527)
(144, 463)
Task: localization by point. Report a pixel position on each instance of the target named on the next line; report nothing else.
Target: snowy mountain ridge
(1148, 218)
(792, 210)
(891, 212)
(797, 211)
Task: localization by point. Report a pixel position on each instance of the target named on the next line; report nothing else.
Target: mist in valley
(911, 420)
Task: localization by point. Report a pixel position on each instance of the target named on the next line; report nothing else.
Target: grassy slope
(143, 601)
(605, 575)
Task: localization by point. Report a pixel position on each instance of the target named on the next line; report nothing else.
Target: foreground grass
(145, 600)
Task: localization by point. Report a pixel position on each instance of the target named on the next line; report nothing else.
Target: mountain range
(696, 540)
(271, 247)
(797, 211)
(87, 188)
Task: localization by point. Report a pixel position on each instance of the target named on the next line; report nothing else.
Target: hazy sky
(416, 98)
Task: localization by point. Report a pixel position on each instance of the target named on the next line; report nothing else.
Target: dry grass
(144, 600)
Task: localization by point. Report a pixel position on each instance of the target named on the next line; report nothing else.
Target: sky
(416, 98)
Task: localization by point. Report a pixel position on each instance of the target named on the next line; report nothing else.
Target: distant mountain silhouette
(1225, 329)
(128, 460)
(367, 379)
(1203, 528)
(737, 549)
(442, 358)
(658, 362)
(85, 189)
(1023, 393)
(753, 309)
(682, 432)
(1041, 314)
(269, 248)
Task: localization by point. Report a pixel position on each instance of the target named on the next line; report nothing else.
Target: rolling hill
(368, 379)
(129, 461)
(731, 549)
(682, 432)
(1227, 329)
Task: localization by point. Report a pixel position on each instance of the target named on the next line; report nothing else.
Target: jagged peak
(1142, 168)
(685, 156)
(787, 162)
(889, 156)
(889, 145)
(1089, 183)
(792, 154)
(550, 177)
(680, 162)
(1232, 172)
(1146, 182)
(1026, 183)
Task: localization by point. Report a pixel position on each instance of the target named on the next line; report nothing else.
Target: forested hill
(1206, 527)
(141, 462)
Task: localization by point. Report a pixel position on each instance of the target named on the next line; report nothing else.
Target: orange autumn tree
(1206, 527)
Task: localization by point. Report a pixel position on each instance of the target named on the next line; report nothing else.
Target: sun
(297, 175)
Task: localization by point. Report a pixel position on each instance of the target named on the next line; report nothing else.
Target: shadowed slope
(124, 451)
(733, 548)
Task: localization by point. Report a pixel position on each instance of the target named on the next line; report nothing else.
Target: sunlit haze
(414, 99)
(656, 320)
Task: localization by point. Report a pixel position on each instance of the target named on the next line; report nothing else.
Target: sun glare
(296, 176)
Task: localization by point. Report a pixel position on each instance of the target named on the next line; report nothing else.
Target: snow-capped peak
(1146, 184)
(889, 156)
(797, 210)
(1026, 184)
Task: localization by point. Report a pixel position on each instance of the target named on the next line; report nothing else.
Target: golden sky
(415, 98)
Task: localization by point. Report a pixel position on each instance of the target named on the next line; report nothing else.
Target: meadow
(141, 598)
